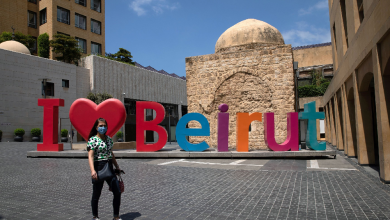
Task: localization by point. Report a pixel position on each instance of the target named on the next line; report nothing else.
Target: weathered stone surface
(249, 78)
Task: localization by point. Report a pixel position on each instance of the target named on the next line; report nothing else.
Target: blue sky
(162, 33)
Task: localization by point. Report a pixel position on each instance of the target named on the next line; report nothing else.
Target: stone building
(357, 101)
(251, 71)
(82, 19)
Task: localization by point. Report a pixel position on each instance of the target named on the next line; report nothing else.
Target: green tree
(317, 88)
(123, 55)
(44, 45)
(27, 40)
(98, 97)
(67, 47)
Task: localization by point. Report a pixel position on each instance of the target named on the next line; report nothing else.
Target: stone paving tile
(47, 188)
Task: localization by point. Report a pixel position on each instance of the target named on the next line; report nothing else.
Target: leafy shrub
(119, 134)
(64, 132)
(66, 47)
(98, 98)
(27, 40)
(324, 86)
(309, 91)
(19, 132)
(44, 45)
(35, 132)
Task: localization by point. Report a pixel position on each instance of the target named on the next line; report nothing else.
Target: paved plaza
(312, 188)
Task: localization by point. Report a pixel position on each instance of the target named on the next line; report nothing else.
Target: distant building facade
(82, 19)
(21, 86)
(310, 59)
(357, 101)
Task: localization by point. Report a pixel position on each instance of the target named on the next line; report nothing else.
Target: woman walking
(99, 153)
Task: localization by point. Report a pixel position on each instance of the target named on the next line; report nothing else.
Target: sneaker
(95, 218)
(117, 219)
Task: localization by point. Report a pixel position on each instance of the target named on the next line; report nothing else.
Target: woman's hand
(94, 175)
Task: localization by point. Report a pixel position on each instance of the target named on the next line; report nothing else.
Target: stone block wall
(250, 78)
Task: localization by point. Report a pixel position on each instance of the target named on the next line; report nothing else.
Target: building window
(361, 10)
(63, 15)
(32, 19)
(82, 44)
(33, 47)
(95, 26)
(95, 5)
(96, 48)
(344, 17)
(82, 2)
(49, 90)
(80, 21)
(33, 1)
(65, 83)
(43, 16)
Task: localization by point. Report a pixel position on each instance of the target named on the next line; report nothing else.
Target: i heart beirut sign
(83, 113)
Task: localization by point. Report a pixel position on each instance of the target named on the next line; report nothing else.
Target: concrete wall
(313, 56)
(116, 78)
(20, 89)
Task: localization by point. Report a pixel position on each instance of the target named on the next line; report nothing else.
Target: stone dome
(15, 46)
(247, 32)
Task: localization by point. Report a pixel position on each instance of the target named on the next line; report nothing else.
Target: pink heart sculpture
(83, 114)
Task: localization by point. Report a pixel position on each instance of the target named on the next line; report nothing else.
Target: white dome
(247, 32)
(15, 46)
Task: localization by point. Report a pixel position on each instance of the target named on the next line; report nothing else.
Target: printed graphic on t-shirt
(102, 148)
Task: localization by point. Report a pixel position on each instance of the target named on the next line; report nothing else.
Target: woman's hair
(93, 130)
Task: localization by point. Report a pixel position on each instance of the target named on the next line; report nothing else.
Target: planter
(36, 139)
(64, 139)
(120, 140)
(18, 138)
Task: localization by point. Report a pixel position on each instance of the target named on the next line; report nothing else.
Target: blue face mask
(102, 130)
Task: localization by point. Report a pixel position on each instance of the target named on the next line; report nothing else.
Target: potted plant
(64, 134)
(119, 136)
(1, 135)
(36, 134)
(19, 134)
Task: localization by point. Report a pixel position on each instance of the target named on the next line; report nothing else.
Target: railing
(33, 25)
(66, 21)
(95, 30)
(95, 7)
(81, 2)
(82, 26)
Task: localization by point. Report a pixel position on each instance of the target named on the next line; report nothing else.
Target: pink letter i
(223, 128)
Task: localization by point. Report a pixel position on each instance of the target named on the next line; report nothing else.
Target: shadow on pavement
(130, 215)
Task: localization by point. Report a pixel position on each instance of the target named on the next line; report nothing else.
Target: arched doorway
(340, 122)
(352, 151)
(368, 154)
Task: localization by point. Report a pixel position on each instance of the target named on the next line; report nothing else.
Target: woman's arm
(91, 166)
(114, 161)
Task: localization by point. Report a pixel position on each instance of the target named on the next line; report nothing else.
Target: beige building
(82, 19)
(309, 58)
(251, 71)
(357, 102)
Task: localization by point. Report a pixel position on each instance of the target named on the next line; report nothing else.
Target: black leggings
(97, 190)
